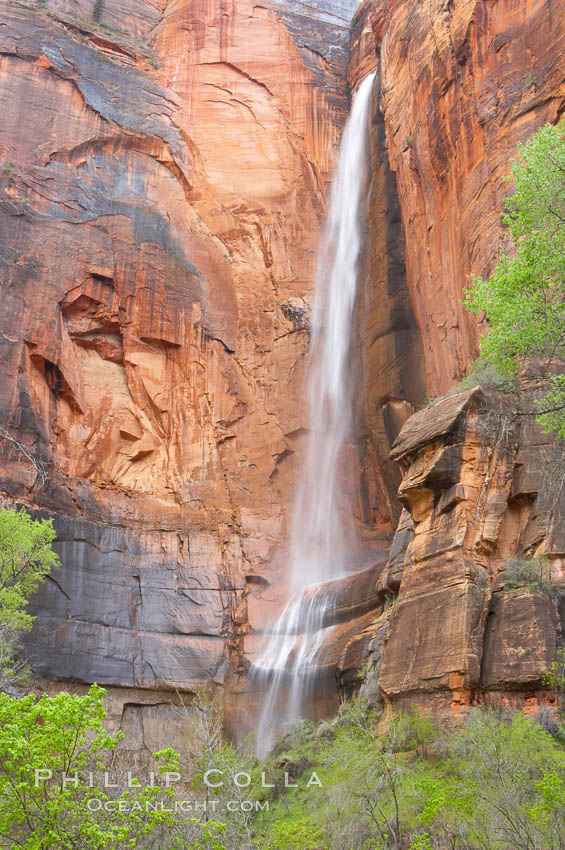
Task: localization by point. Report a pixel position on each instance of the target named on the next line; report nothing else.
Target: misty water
(321, 538)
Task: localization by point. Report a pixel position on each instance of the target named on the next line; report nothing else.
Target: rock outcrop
(477, 568)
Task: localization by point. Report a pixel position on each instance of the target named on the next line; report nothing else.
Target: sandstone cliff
(482, 487)
(163, 175)
(462, 84)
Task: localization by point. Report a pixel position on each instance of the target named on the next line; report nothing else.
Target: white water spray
(320, 538)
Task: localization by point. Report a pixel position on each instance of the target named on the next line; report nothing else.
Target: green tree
(524, 299)
(549, 811)
(555, 678)
(211, 764)
(295, 834)
(499, 774)
(26, 558)
(48, 748)
(368, 775)
(417, 729)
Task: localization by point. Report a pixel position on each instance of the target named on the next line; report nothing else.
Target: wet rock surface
(162, 190)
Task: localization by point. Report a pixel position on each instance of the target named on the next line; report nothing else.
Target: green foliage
(552, 407)
(8, 167)
(366, 797)
(551, 805)
(98, 10)
(436, 796)
(207, 837)
(555, 678)
(485, 374)
(420, 842)
(524, 298)
(499, 767)
(44, 740)
(299, 834)
(495, 782)
(26, 558)
(530, 573)
(417, 729)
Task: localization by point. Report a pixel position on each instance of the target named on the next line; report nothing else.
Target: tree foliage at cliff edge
(524, 299)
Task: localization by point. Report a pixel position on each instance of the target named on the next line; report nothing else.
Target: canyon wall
(455, 621)
(163, 176)
(474, 618)
(463, 83)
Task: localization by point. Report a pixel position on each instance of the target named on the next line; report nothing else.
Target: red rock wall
(462, 84)
(481, 486)
(459, 86)
(388, 344)
(163, 175)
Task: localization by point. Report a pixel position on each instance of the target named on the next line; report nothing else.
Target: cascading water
(320, 538)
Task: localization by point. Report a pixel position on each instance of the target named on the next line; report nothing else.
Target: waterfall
(321, 538)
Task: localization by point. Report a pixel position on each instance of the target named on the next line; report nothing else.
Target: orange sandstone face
(186, 201)
(162, 204)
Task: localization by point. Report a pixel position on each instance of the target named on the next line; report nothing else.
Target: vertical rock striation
(462, 84)
(162, 187)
